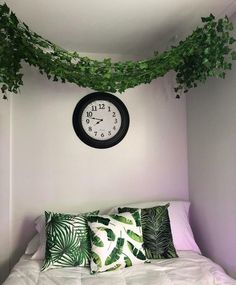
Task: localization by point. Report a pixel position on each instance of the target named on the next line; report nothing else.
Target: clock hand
(97, 119)
(98, 122)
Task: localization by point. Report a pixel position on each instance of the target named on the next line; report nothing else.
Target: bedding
(190, 268)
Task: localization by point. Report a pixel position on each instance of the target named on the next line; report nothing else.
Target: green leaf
(96, 259)
(134, 236)
(116, 252)
(101, 220)
(233, 55)
(122, 219)
(134, 212)
(137, 253)
(14, 19)
(208, 19)
(143, 65)
(96, 239)
(117, 266)
(4, 9)
(128, 261)
(110, 234)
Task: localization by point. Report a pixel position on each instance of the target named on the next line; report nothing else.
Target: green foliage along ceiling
(205, 53)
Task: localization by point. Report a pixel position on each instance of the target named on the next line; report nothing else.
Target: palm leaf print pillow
(116, 241)
(68, 242)
(157, 236)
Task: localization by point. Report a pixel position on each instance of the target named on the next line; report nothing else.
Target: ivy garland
(205, 53)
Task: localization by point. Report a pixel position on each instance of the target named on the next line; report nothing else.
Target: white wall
(211, 117)
(5, 187)
(53, 170)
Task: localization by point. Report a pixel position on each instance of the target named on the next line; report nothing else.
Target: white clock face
(101, 120)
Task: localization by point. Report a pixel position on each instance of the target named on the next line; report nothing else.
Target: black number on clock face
(100, 120)
(101, 106)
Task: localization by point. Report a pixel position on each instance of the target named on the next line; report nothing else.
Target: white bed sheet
(190, 268)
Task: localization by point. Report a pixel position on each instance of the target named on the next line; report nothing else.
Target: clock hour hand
(98, 122)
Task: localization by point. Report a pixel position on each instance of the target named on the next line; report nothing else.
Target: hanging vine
(205, 53)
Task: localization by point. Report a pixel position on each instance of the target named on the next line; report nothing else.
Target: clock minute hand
(97, 119)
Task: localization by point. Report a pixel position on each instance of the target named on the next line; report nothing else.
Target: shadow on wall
(27, 231)
(4, 270)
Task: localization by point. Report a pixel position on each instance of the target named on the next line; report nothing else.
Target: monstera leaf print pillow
(116, 241)
(68, 242)
(157, 236)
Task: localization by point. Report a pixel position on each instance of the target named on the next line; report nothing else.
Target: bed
(189, 267)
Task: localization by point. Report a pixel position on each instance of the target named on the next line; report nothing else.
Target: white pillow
(179, 221)
(33, 245)
(40, 227)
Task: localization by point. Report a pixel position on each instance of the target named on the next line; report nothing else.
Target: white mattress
(190, 268)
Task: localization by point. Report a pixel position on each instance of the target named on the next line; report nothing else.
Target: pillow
(40, 227)
(33, 245)
(157, 235)
(68, 242)
(182, 234)
(116, 241)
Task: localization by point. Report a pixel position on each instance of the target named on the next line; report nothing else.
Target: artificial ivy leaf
(233, 55)
(5, 9)
(232, 40)
(4, 88)
(14, 19)
(143, 65)
(208, 19)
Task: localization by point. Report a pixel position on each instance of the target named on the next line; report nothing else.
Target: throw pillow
(158, 242)
(116, 241)
(68, 242)
(182, 234)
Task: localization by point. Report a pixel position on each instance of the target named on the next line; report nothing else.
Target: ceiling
(117, 26)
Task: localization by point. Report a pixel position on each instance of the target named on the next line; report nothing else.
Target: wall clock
(100, 120)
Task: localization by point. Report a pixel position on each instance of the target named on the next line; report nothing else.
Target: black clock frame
(77, 122)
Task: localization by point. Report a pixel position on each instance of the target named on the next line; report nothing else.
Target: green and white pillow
(157, 236)
(68, 242)
(116, 241)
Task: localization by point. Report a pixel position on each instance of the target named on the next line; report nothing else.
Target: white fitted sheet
(190, 268)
